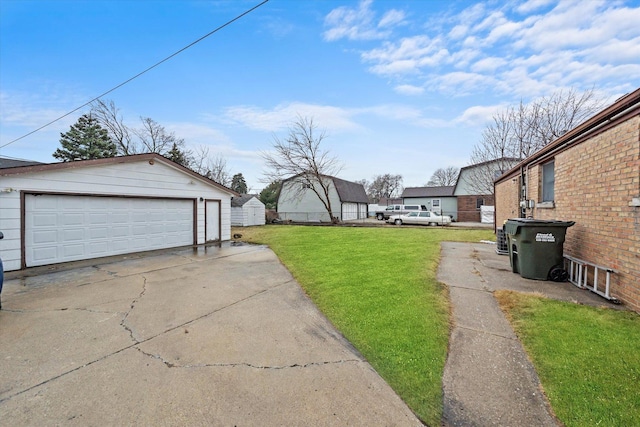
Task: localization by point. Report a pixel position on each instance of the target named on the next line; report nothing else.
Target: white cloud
(460, 83)
(359, 24)
(532, 5)
(488, 64)
(282, 116)
(409, 90)
(520, 49)
(35, 110)
(409, 55)
(198, 133)
(391, 18)
(478, 115)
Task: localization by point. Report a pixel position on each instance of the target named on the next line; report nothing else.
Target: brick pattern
(594, 183)
(467, 207)
(507, 201)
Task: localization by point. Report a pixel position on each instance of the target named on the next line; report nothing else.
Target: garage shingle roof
(14, 163)
(446, 191)
(350, 191)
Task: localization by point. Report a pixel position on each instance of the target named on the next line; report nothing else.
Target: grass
(378, 287)
(588, 359)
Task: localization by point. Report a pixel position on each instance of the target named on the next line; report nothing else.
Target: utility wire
(137, 75)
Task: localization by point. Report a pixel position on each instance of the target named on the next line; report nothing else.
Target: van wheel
(398, 221)
(431, 224)
(380, 217)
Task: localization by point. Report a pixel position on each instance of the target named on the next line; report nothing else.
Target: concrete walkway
(488, 379)
(195, 337)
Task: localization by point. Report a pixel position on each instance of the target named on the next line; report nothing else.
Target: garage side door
(70, 228)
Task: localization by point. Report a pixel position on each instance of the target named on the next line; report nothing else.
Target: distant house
(436, 199)
(590, 175)
(247, 210)
(298, 202)
(474, 187)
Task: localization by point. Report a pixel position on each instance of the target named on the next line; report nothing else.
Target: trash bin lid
(513, 224)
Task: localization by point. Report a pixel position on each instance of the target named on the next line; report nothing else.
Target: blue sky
(401, 87)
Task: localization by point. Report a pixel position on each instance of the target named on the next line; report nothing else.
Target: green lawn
(588, 359)
(378, 287)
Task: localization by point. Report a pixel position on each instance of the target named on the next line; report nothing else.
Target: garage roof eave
(149, 157)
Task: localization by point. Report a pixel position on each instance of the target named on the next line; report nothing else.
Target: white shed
(247, 210)
(59, 212)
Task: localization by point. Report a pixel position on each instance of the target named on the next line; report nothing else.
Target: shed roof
(240, 201)
(445, 191)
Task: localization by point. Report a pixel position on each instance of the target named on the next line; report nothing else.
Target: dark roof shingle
(446, 191)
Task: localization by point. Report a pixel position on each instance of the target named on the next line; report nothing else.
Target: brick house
(590, 175)
(474, 186)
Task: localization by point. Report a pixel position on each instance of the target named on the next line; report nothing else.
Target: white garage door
(349, 211)
(69, 228)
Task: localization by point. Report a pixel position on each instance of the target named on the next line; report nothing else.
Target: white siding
(251, 213)
(129, 178)
(307, 207)
(363, 210)
(349, 211)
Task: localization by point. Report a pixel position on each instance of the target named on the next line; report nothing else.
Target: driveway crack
(169, 364)
(123, 322)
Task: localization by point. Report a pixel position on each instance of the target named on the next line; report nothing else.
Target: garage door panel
(45, 219)
(67, 228)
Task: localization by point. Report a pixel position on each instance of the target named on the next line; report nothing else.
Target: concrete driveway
(203, 336)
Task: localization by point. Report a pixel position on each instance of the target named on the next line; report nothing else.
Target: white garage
(59, 212)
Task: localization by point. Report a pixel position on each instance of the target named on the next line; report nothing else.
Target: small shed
(247, 210)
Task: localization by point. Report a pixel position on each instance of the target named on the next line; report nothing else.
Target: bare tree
(301, 158)
(155, 138)
(109, 117)
(444, 177)
(212, 166)
(384, 186)
(518, 132)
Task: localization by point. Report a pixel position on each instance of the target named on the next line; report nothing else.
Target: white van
(398, 210)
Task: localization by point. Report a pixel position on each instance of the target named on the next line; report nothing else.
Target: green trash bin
(536, 248)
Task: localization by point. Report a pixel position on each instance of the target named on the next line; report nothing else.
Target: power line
(138, 75)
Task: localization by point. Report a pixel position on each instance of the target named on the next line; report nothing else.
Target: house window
(479, 202)
(548, 181)
(435, 205)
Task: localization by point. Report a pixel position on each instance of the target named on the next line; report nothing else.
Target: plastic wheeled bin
(536, 248)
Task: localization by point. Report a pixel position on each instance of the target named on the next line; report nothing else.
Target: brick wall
(468, 209)
(507, 200)
(594, 183)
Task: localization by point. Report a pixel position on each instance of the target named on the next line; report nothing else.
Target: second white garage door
(60, 228)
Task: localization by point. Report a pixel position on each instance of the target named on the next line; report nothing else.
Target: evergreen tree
(178, 156)
(85, 140)
(238, 184)
(269, 196)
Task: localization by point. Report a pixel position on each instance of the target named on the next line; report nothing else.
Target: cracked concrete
(202, 336)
